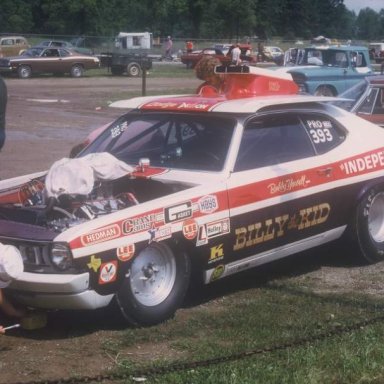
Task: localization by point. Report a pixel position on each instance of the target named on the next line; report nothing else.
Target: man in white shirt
(235, 54)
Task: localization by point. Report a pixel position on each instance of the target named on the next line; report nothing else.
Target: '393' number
(321, 135)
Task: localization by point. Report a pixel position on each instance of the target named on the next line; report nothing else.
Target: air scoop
(243, 81)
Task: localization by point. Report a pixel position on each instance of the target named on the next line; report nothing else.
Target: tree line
(205, 19)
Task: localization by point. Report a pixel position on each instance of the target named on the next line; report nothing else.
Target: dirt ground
(45, 118)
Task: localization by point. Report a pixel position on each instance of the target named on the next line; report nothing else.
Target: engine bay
(30, 204)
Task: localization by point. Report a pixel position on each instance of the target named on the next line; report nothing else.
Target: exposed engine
(78, 190)
(29, 204)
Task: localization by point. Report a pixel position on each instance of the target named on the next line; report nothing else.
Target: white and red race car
(220, 182)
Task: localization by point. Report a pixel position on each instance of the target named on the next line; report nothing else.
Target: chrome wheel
(376, 218)
(155, 284)
(24, 72)
(152, 275)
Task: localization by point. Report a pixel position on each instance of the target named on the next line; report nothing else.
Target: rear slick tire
(155, 285)
(368, 225)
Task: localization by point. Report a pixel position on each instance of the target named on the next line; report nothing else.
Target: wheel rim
(25, 72)
(134, 70)
(76, 71)
(152, 275)
(376, 218)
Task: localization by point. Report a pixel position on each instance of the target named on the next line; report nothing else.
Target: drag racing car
(211, 184)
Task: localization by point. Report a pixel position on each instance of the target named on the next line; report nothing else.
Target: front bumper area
(57, 292)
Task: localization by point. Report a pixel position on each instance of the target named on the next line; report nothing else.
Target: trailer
(120, 63)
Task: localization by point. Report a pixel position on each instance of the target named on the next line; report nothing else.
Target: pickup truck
(327, 70)
(131, 63)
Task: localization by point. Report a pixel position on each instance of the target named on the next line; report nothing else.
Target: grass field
(261, 327)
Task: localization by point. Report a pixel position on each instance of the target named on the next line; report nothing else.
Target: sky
(356, 5)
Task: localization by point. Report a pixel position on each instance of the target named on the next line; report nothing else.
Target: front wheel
(155, 285)
(77, 71)
(368, 225)
(24, 72)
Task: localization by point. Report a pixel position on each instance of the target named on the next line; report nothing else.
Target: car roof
(337, 47)
(249, 89)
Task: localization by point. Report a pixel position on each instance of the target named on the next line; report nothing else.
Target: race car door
(279, 192)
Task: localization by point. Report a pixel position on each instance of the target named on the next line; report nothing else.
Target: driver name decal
(288, 185)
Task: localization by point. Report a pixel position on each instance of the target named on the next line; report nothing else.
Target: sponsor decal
(288, 185)
(363, 164)
(213, 229)
(126, 252)
(208, 204)
(138, 224)
(178, 212)
(217, 272)
(108, 272)
(217, 253)
(103, 234)
(190, 229)
(185, 104)
(94, 263)
(160, 233)
(270, 229)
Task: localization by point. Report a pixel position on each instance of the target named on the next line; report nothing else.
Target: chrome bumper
(57, 292)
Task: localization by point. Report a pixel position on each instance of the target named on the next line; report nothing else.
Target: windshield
(353, 94)
(32, 52)
(182, 141)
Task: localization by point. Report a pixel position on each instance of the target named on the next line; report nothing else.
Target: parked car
(223, 53)
(366, 99)
(274, 54)
(327, 70)
(210, 184)
(48, 60)
(13, 45)
(65, 44)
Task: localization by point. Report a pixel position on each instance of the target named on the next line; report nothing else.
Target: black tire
(24, 72)
(134, 70)
(368, 226)
(155, 285)
(324, 90)
(189, 65)
(77, 70)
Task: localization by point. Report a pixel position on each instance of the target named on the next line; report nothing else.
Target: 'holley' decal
(213, 229)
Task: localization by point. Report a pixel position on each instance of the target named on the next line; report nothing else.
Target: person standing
(189, 46)
(235, 54)
(168, 48)
(3, 106)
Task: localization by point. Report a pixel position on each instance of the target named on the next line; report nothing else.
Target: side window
(367, 105)
(273, 140)
(323, 131)
(379, 105)
(63, 52)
